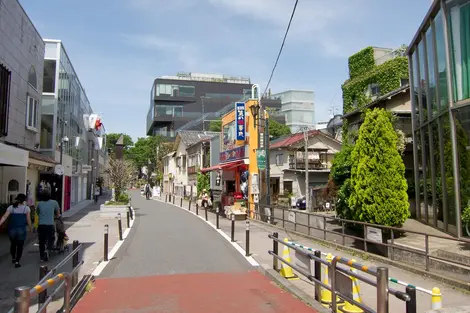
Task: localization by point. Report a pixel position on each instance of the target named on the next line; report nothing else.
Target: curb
(102, 265)
(451, 282)
(297, 292)
(250, 259)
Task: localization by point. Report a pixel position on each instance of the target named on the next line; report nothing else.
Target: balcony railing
(312, 165)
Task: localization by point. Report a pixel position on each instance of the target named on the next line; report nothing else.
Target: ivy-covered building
(439, 61)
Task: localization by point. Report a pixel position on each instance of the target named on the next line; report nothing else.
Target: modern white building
(65, 133)
(298, 107)
(21, 69)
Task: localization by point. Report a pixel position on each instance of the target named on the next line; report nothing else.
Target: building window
(441, 62)
(32, 113)
(33, 78)
(175, 90)
(404, 82)
(459, 20)
(49, 76)
(279, 159)
(5, 80)
(374, 90)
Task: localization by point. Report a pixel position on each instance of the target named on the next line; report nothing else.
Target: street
(174, 262)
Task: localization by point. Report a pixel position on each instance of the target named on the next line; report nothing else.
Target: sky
(118, 47)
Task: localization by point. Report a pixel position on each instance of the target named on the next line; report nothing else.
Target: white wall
(8, 173)
(33, 177)
(181, 177)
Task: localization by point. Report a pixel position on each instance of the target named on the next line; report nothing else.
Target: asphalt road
(167, 240)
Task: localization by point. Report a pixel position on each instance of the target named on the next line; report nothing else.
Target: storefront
(13, 172)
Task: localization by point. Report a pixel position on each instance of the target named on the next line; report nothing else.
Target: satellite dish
(59, 170)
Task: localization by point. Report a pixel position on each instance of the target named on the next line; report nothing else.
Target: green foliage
(378, 184)
(215, 126)
(361, 62)
(340, 175)
(112, 138)
(466, 214)
(203, 182)
(123, 198)
(386, 75)
(277, 129)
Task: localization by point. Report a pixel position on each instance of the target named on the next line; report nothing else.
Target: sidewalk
(83, 224)
(260, 244)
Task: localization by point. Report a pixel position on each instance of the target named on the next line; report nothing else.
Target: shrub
(378, 184)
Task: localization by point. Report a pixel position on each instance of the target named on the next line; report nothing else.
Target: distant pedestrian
(47, 210)
(97, 194)
(19, 215)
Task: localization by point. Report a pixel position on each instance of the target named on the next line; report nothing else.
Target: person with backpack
(19, 215)
(48, 209)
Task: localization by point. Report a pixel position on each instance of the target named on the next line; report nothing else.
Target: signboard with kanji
(240, 120)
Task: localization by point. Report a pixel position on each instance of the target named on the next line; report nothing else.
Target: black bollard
(233, 228)
(205, 208)
(106, 231)
(128, 220)
(247, 241)
(42, 295)
(217, 217)
(120, 226)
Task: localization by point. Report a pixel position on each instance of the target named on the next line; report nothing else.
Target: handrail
(381, 274)
(62, 263)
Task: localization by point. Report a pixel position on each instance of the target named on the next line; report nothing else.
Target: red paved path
(248, 292)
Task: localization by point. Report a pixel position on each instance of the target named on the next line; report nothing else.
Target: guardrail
(48, 280)
(343, 222)
(337, 290)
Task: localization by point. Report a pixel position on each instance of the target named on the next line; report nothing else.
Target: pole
(62, 140)
(307, 195)
(232, 230)
(205, 213)
(203, 117)
(106, 231)
(120, 226)
(75, 261)
(317, 273)
(128, 219)
(382, 290)
(217, 217)
(42, 295)
(268, 174)
(247, 241)
(411, 305)
(275, 251)
(22, 300)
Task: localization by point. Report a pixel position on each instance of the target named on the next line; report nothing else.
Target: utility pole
(268, 174)
(306, 169)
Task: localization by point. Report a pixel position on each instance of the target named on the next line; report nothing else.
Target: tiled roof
(292, 139)
(192, 137)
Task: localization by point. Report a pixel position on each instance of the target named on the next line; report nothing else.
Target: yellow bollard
(356, 293)
(436, 298)
(286, 270)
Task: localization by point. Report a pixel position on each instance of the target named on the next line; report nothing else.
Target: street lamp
(255, 112)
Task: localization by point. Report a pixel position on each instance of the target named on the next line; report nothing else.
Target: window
(279, 159)
(459, 19)
(5, 79)
(32, 113)
(33, 78)
(404, 82)
(49, 76)
(175, 90)
(374, 90)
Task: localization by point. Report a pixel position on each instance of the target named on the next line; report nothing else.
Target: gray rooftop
(192, 137)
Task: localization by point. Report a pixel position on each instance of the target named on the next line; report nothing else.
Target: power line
(282, 46)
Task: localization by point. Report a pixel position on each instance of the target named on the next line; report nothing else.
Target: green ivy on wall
(386, 75)
(361, 62)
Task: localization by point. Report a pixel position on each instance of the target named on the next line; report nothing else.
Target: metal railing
(380, 274)
(50, 279)
(342, 233)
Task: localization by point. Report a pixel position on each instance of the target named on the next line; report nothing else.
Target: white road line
(101, 266)
(250, 259)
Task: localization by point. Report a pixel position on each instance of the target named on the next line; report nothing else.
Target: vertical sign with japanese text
(240, 120)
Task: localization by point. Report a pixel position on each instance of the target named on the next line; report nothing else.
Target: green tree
(112, 138)
(215, 126)
(203, 182)
(340, 176)
(277, 129)
(379, 188)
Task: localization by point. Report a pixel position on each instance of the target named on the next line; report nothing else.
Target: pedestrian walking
(47, 209)
(97, 194)
(18, 215)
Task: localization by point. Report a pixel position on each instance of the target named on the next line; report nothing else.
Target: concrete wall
(21, 51)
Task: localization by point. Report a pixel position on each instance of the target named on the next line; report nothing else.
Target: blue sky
(119, 46)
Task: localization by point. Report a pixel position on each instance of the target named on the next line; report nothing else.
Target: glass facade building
(64, 105)
(439, 61)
